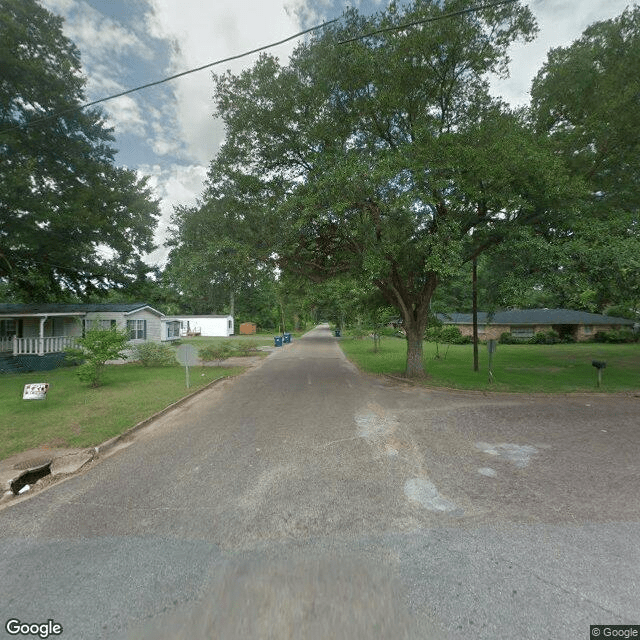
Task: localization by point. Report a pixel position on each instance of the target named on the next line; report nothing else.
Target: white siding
(208, 325)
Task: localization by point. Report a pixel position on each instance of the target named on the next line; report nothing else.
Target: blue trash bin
(286, 338)
(337, 333)
(278, 340)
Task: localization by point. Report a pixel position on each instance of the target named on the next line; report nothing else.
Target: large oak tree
(384, 155)
(71, 222)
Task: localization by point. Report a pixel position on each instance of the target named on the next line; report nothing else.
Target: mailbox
(599, 364)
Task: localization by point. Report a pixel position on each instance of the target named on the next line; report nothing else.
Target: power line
(57, 114)
(426, 20)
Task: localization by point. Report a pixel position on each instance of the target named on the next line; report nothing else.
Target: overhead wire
(427, 20)
(62, 112)
(244, 54)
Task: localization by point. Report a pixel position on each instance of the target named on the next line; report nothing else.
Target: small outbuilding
(248, 328)
(212, 326)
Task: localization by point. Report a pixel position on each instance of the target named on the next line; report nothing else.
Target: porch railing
(41, 346)
(6, 345)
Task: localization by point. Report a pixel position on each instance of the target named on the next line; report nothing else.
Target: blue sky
(168, 132)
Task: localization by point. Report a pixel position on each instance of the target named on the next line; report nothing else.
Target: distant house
(525, 323)
(29, 331)
(205, 325)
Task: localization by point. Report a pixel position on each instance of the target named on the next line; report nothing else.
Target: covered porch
(39, 334)
(35, 346)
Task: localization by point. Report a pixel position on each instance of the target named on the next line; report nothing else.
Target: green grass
(560, 368)
(74, 415)
(259, 339)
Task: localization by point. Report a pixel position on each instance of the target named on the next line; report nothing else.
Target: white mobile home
(206, 326)
(42, 329)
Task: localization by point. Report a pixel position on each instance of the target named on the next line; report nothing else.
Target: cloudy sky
(168, 132)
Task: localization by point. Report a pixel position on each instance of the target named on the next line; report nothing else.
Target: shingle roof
(535, 316)
(53, 307)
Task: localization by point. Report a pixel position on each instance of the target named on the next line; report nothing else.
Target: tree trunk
(415, 364)
(474, 303)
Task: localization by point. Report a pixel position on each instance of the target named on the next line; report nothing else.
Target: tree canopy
(586, 99)
(71, 222)
(384, 156)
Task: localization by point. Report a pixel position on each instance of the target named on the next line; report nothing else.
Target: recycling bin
(278, 340)
(286, 338)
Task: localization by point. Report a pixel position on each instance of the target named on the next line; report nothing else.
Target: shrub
(507, 338)
(616, 336)
(154, 354)
(358, 333)
(545, 337)
(95, 348)
(246, 348)
(452, 335)
(449, 334)
(213, 352)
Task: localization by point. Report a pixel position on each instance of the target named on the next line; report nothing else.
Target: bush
(216, 352)
(95, 348)
(616, 336)
(154, 354)
(507, 338)
(246, 348)
(449, 334)
(545, 337)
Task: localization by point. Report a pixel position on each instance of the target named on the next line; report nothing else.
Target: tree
(385, 155)
(586, 98)
(71, 222)
(96, 347)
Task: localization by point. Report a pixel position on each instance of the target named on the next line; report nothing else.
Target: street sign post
(492, 345)
(187, 355)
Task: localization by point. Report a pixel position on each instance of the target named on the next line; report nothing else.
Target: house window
(137, 329)
(173, 329)
(229, 324)
(100, 325)
(7, 328)
(522, 332)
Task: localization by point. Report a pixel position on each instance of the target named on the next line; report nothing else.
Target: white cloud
(125, 115)
(207, 32)
(172, 185)
(561, 22)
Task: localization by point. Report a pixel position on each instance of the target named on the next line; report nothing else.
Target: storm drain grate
(30, 477)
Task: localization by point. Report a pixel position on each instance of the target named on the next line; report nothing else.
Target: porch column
(43, 319)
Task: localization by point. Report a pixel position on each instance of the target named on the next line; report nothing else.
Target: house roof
(535, 317)
(37, 309)
(181, 317)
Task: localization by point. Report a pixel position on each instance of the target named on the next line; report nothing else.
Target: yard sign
(36, 391)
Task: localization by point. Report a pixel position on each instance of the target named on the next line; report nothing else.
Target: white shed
(206, 325)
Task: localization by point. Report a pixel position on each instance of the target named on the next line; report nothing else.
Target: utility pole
(474, 303)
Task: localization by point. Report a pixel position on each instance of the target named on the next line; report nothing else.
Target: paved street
(306, 500)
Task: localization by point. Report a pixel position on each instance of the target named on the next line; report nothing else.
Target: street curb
(112, 442)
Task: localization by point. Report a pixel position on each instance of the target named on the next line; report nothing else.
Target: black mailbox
(599, 364)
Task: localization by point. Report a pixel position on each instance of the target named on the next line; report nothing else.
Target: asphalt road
(306, 500)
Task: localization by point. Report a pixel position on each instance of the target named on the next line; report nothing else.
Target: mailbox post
(599, 365)
(491, 346)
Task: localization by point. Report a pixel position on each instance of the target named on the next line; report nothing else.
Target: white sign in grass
(35, 391)
(187, 355)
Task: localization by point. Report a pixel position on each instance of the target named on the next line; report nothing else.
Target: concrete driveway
(306, 500)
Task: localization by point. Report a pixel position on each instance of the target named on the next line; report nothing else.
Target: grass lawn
(74, 415)
(559, 368)
(257, 339)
